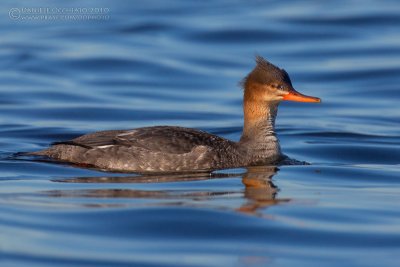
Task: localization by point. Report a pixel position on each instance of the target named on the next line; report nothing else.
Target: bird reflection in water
(258, 192)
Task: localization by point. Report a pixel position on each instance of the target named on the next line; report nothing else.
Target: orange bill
(296, 96)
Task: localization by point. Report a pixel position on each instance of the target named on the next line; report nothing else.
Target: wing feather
(165, 139)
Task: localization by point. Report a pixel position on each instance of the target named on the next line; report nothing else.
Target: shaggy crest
(266, 73)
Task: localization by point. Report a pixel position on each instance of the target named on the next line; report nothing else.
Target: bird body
(175, 149)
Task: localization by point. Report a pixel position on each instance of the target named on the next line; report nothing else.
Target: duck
(178, 149)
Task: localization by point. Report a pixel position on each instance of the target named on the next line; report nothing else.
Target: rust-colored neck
(259, 118)
(259, 115)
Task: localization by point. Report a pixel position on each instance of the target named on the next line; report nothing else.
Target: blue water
(179, 63)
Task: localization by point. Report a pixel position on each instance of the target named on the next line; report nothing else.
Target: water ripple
(178, 63)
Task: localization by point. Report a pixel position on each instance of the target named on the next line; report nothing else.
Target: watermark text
(59, 13)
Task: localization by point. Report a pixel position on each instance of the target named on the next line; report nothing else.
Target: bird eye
(281, 87)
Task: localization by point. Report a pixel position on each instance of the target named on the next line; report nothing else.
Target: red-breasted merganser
(174, 149)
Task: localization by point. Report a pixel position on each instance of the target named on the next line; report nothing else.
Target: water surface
(179, 63)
